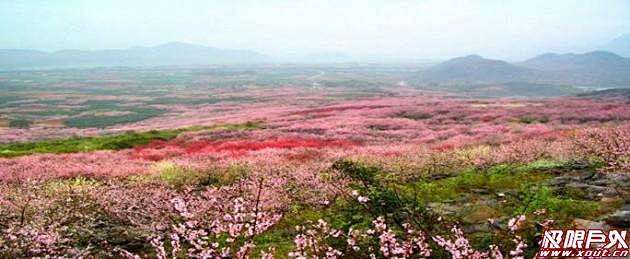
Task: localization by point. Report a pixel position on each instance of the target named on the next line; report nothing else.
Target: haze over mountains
(169, 54)
(596, 68)
(173, 53)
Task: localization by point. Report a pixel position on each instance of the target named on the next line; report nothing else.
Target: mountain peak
(474, 69)
(473, 57)
(179, 45)
(619, 45)
(547, 55)
(602, 54)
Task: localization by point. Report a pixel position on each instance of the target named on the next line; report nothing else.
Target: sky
(389, 29)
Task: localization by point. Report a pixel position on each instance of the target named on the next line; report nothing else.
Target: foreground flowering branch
(320, 240)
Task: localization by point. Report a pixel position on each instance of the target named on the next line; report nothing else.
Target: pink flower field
(351, 178)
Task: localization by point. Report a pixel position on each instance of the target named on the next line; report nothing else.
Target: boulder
(620, 219)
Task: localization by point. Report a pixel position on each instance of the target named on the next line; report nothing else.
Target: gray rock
(562, 180)
(587, 224)
(620, 180)
(591, 192)
(587, 175)
(439, 176)
(480, 191)
(623, 184)
(610, 192)
(444, 209)
(601, 182)
(489, 202)
(587, 187)
(476, 228)
(620, 218)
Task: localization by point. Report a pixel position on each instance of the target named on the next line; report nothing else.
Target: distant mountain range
(173, 53)
(169, 54)
(598, 68)
(596, 60)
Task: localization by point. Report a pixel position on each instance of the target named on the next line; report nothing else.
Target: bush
(383, 198)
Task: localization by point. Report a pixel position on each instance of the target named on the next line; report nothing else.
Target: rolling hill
(475, 69)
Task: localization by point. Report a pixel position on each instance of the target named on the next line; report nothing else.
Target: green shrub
(178, 176)
(533, 119)
(385, 198)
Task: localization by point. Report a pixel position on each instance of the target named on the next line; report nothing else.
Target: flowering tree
(611, 146)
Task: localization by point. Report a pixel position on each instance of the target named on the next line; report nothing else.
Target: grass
(540, 165)
(107, 142)
(86, 144)
(179, 176)
(281, 235)
(77, 183)
(496, 179)
(562, 209)
(524, 187)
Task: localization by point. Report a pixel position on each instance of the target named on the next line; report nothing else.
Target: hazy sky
(386, 28)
